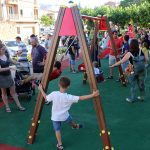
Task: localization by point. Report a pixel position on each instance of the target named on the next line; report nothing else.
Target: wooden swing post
(47, 71)
(93, 85)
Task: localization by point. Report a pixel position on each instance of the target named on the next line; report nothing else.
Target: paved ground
(128, 123)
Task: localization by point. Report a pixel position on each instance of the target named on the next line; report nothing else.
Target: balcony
(36, 6)
(13, 17)
(35, 17)
(12, 2)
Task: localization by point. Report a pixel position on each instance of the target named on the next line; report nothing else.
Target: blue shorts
(57, 124)
(72, 59)
(72, 62)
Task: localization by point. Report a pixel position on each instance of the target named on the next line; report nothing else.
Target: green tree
(126, 3)
(138, 13)
(46, 20)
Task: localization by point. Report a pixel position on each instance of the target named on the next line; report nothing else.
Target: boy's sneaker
(140, 98)
(60, 147)
(78, 126)
(130, 100)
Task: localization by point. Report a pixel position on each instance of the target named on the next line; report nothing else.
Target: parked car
(12, 48)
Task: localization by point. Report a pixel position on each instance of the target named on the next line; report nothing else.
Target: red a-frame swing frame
(73, 26)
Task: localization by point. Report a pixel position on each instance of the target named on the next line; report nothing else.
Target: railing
(35, 17)
(16, 17)
(13, 16)
(12, 1)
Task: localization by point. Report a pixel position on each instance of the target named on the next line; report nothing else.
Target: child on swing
(56, 72)
(61, 103)
(98, 72)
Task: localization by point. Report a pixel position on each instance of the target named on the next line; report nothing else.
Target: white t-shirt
(61, 103)
(23, 48)
(96, 71)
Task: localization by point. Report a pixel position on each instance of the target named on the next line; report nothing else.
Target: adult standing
(6, 80)
(137, 75)
(125, 49)
(77, 47)
(72, 53)
(48, 42)
(22, 50)
(38, 54)
(112, 58)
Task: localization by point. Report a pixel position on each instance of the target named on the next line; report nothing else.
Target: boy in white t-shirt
(61, 103)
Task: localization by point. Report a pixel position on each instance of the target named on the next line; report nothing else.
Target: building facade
(24, 13)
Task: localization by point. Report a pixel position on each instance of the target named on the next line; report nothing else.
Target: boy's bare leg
(28, 79)
(34, 76)
(58, 136)
(73, 124)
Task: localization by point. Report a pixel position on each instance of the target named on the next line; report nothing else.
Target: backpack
(138, 63)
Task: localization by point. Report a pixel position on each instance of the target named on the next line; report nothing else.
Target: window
(18, 30)
(10, 10)
(21, 12)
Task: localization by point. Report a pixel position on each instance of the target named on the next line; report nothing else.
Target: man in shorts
(112, 58)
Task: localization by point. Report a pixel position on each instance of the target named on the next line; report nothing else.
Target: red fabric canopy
(104, 53)
(68, 26)
(102, 24)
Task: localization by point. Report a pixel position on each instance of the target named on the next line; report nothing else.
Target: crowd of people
(133, 52)
(38, 54)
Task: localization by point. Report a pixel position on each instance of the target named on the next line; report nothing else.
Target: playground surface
(128, 123)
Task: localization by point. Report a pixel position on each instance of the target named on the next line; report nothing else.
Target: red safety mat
(8, 147)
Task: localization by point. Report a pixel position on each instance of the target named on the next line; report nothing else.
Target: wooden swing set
(69, 23)
(102, 24)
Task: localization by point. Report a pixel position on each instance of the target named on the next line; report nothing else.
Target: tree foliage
(46, 20)
(126, 3)
(138, 12)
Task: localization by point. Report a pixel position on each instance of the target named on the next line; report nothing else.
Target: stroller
(22, 71)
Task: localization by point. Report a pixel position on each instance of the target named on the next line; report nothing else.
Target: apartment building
(24, 13)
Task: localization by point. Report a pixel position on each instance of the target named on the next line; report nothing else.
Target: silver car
(12, 47)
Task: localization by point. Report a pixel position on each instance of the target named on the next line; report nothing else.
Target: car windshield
(11, 43)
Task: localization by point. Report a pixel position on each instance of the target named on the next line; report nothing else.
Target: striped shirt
(23, 49)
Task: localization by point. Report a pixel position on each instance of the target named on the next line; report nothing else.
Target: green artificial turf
(128, 123)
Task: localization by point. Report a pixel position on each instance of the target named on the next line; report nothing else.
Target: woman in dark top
(6, 80)
(137, 75)
(72, 52)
